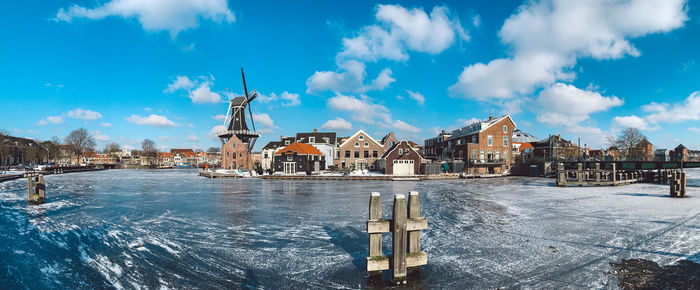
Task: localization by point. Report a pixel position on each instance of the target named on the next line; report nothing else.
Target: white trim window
(505, 141)
(400, 151)
(362, 137)
(357, 144)
(312, 139)
(505, 129)
(366, 144)
(490, 140)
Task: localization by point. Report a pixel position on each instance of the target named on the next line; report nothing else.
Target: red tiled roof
(300, 148)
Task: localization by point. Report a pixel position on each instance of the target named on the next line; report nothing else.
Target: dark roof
(388, 151)
(304, 137)
(178, 151)
(384, 139)
(272, 145)
(238, 101)
(680, 147)
(522, 137)
(18, 141)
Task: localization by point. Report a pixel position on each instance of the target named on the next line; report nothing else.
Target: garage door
(403, 167)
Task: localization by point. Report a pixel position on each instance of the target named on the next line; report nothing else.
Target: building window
(400, 151)
(406, 152)
(505, 129)
(505, 141)
(347, 153)
(366, 144)
(285, 143)
(362, 137)
(357, 154)
(474, 139)
(366, 154)
(498, 155)
(289, 158)
(375, 154)
(357, 144)
(490, 140)
(481, 155)
(473, 154)
(312, 139)
(505, 155)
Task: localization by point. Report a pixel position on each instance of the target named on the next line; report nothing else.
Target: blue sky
(128, 70)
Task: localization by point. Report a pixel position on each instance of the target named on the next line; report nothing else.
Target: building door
(317, 166)
(290, 167)
(361, 165)
(403, 167)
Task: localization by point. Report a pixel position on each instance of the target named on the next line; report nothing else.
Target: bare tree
(213, 150)
(629, 142)
(112, 148)
(149, 148)
(80, 141)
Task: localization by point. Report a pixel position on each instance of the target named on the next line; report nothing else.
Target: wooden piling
(399, 239)
(376, 261)
(682, 185)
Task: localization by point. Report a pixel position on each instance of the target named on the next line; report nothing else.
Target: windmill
(235, 122)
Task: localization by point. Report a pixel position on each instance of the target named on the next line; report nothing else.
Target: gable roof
(300, 148)
(386, 137)
(393, 147)
(304, 137)
(357, 133)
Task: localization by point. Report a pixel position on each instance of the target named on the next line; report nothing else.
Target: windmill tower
(237, 129)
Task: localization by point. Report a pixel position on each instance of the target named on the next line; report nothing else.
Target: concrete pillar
(398, 232)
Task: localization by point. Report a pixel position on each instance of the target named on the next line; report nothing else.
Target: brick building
(359, 151)
(235, 155)
(299, 157)
(485, 146)
(434, 148)
(401, 159)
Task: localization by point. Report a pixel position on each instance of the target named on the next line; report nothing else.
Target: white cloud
(566, 105)
(399, 30)
(128, 147)
(288, 99)
(403, 126)
(418, 97)
(106, 124)
(362, 110)
(55, 119)
(633, 122)
(192, 138)
(476, 21)
(216, 129)
(689, 110)
(694, 129)
(204, 95)
(152, 120)
(99, 136)
(155, 15)
(84, 114)
(348, 78)
(548, 36)
(42, 122)
(382, 81)
(339, 124)
(163, 139)
(264, 119)
(219, 117)
(180, 83)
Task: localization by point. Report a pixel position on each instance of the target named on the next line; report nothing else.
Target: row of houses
(176, 157)
(318, 151)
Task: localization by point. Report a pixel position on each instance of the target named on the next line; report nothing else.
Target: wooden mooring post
(36, 189)
(678, 184)
(405, 227)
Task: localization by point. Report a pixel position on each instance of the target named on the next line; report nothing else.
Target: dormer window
(312, 139)
(362, 137)
(286, 142)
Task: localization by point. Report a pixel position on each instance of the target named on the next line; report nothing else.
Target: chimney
(490, 117)
(315, 131)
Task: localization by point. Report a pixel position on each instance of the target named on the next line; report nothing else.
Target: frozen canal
(151, 229)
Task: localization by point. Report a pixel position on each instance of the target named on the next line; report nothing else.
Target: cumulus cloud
(688, 110)
(105, 124)
(403, 126)
(84, 114)
(399, 30)
(633, 122)
(565, 105)
(219, 117)
(128, 147)
(216, 129)
(192, 138)
(418, 97)
(268, 125)
(42, 122)
(180, 83)
(155, 15)
(163, 139)
(152, 120)
(55, 119)
(548, 36)
(362, 109)
(99, 136)
(338, 124)
(204, 95)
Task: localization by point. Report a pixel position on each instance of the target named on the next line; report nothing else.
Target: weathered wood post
(614, 173)
(672, 183)
(36, 188)
(682, 185)
(597, 173)
(398, 237)
(415, 224)
(579, 173)
(375, 227)
(561, 174)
